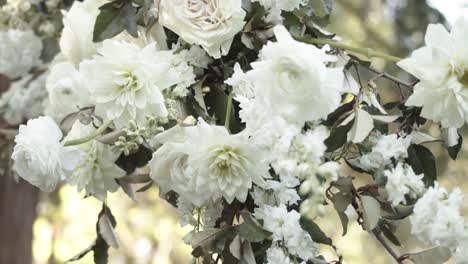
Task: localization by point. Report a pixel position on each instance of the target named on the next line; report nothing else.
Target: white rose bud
(211, 24)
(39, 156)
(76, 42)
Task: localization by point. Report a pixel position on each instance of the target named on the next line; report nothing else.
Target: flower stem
(227, 120)
(367, 52)
(89, 137)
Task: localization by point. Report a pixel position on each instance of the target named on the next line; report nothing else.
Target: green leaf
(454, 150)
(422, 160)
(344, 184)
(101, 246)
(370, 212)
(341, 201)
(389, 235)
(344, 222)
(435, 255)
(115, 17)
(211, 240)
(251, 229)
(338, 137)
(315, 232)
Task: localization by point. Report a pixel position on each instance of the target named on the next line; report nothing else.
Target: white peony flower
(67, 93)
(442, 68)
(127, 81)
(204, 162)
(96, 173)
(19, 52)
(436, 217)
(403, 181)
(285, 227)
(211, 24)
(24, 99)
(291, 80)
(76, 41)
(39, 157)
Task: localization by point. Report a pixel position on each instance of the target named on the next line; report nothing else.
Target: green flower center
(463, 78)
(225, 161)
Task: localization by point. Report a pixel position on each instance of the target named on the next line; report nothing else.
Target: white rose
(39, 156)
(291, 80)
(66, 91)
(211, 24)
(76, 41)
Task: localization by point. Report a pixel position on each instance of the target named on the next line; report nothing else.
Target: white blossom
(76, 41)
(403, 181)
(24, 99)
(436, 217)
(285, 227)
(291, 80)
(277, 192)
(19, 52)
(442, 68)
(274, 8)
(211, 24)
(276, 255)
(204, 161)
(66, 89)
(39, 156)
(96, 173)
(386, 147)
(126, 81)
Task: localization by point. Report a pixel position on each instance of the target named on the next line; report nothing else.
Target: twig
(89, 137)
(389, 77)
(367, 52)
(399, 259)
(227, 120)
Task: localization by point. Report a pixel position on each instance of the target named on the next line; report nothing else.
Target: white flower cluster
(287, 233)
(274, 8)
(19, 52)
(437, 220)
(24, 99)
(386, 148)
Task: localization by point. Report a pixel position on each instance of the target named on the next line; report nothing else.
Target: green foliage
(115, 17)
(454, 150)
(423, 161)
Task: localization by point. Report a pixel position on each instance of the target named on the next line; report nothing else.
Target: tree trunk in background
(17, 213)
(18, 203)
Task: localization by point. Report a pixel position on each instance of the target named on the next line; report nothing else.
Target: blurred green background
(57, 226)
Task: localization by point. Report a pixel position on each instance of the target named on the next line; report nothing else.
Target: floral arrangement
(243, 113)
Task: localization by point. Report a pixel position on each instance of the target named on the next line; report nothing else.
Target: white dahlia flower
(442, 68)
(206, 162)
(19, 52)
(211, 24)
(126, 81)
(39, 156)
(96, 173)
